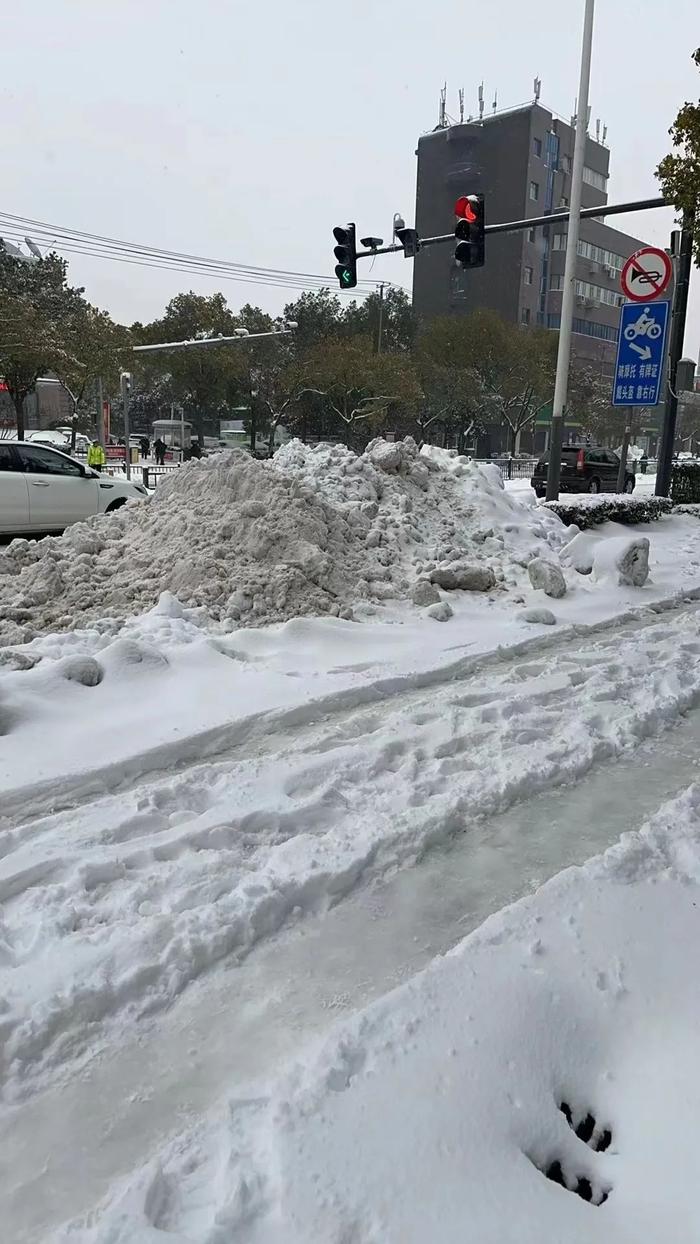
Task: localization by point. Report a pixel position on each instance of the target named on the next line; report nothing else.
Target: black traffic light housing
(409, 240)
(469, 231)
(346, 254)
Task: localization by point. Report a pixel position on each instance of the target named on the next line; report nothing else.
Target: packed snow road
(160, 883)
(113, 907)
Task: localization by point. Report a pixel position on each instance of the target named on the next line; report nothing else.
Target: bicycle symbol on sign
(645, 326)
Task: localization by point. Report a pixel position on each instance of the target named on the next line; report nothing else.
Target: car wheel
(116, 505)
(629, 485)
(594, 485)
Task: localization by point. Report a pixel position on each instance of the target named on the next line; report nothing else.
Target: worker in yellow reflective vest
(96, 456)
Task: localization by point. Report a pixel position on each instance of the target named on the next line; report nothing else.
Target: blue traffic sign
(640, 353)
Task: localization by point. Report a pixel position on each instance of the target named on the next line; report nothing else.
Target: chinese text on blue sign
(640, 354)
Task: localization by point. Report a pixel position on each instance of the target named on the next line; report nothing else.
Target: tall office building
(520, 159)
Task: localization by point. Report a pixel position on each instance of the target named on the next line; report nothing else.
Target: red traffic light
(464, 209)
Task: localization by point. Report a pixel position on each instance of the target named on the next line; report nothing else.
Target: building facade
(521, 161)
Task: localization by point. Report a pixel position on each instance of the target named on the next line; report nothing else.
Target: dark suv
(584, 468)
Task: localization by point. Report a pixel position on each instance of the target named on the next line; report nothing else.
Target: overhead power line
(76, 241)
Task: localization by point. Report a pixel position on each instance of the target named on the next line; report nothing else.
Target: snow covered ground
(457, 1098)
(184, 796)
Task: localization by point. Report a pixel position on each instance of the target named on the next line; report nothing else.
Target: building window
(525, 315)
(566, 163)
(537, 147)
(598, 293)
(588, 250)
(585, 289)
(534, 190)
(586, 327)
(531, 235)
(594, 178)
(527, 276)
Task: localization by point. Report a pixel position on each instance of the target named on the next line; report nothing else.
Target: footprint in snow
(563, 1172)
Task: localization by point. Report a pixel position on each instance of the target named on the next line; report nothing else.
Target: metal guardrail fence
(152, 474)
(511, 468)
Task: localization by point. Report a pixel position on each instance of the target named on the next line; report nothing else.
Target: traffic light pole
(531, 222)
(675, 350)
(566, 318)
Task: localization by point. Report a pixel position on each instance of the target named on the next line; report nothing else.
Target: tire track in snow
(249, 735)
(110, 910)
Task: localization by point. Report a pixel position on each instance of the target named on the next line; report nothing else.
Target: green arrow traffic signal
(346, 254)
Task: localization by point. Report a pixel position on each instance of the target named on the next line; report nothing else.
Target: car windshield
(349, 622)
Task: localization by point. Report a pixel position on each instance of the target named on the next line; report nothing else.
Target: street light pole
(567, 301)
(381, 317)
(200, 343)
(125, 383)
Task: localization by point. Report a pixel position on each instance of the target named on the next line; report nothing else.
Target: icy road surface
(113, 908)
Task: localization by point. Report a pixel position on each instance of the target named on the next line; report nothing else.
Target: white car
(44, 490)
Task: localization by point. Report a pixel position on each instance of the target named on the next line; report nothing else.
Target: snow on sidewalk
(537, 1084)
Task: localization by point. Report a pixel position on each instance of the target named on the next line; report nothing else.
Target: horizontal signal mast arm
(511, 226)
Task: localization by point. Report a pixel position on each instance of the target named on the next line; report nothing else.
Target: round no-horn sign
(646, 274)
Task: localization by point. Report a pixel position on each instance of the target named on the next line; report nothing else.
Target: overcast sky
(245, 131)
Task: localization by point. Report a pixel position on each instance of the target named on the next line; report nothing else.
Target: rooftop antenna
(574, 114)
(34, 248)
(481, 102)
(597, 129)
(461, 105)
(495, 101)
(443, 106)
(605, 133)
(537, 84)
(588, 118)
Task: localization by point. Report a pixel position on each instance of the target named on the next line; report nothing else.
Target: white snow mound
(313, 531)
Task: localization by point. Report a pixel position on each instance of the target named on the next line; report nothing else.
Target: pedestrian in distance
(644, 462)
(145, 446)
(96, 456)
(159, 450)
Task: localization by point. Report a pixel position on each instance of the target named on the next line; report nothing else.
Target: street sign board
(640, 354)
(646, 274)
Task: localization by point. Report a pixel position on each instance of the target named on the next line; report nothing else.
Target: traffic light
(346, 254)
(409, 240)
(469, 231)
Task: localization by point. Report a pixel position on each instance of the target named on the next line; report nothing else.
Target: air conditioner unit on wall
(580, 300)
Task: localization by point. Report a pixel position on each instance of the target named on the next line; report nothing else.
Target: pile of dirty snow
(316, 530)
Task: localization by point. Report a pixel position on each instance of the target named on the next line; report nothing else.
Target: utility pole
(253, 420)
(675, 350)
(125, 384)
(99, 414)
(381, 317)
(567, 301)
